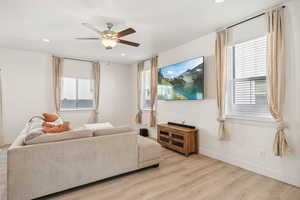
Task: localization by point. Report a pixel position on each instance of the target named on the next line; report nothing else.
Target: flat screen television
(182, 81)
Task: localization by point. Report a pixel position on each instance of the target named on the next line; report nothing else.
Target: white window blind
(247, 89)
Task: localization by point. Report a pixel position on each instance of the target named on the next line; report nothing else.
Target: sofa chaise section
(149, 152)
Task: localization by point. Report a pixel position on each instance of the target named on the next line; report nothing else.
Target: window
(77, 86)
(77, 93)
(247, 88)
(146, 86)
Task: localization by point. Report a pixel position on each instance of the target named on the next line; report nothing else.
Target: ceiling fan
(110, 38)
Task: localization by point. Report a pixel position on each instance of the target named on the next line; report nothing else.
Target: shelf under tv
(180, 139)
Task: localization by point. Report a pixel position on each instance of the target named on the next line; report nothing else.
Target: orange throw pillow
(46, 129)
(56, 129)
(50, 117)
(46, 124)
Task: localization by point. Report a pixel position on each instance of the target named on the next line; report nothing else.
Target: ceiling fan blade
(91, 27)
(129, 43)
(125, 32)
(94, 38)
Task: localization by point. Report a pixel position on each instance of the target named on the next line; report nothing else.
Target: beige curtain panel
(140, 68)
(220, 55)
(1, 113)
(96, 79)
(57, 65)
(153, 90)
(275, 78)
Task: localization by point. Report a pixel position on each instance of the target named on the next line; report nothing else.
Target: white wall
(251, 142)
(26, 88)
(116, 94)
(27, 91)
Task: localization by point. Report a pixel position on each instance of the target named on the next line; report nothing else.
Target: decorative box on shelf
(180, 139)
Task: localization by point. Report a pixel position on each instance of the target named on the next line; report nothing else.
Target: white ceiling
(160, 24)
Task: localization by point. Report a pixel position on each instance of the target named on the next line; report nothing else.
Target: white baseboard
(249, 166)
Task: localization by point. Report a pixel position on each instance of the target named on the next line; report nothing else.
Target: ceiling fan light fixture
(109, 38)
(109, 43)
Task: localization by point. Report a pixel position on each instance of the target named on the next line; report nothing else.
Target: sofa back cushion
(96, 126)
(111, 131)
(68, 135)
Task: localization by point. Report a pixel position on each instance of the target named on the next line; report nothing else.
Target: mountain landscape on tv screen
(182, 81)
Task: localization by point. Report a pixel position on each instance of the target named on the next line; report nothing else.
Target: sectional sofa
(49, 166)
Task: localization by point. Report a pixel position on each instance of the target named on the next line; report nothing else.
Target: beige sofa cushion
(148, 149)
(97, 126)
(67, 135)
(111, 131)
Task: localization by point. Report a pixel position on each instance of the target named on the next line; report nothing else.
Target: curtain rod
(148, 59)
(246, 20)
(78, 59)
(92, 61)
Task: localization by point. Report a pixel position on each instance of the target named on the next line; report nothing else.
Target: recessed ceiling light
(123, 54)
(219, 1)
(45, 40)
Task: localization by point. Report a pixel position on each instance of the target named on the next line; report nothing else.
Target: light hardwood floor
(180, 178)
